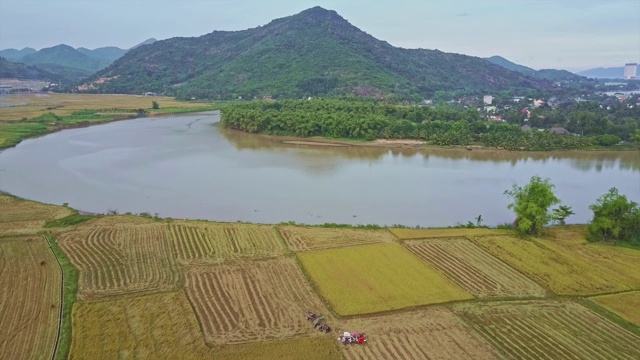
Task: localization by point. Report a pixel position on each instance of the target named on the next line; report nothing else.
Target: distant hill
(9, 69)
(106, 55)
(604, 73)
(14, 54)
(315, 52)
(543, 74)
(146, 42)
(63, 55)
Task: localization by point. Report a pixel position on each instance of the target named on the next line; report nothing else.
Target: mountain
(604, 73)
(315, 52)
(146, 42)
(63, 55)
(12, 70)
(106, 55)
(14, 54)
(543, 74)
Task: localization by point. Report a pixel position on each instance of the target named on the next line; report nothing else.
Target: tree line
(615, 217)
(371, 119)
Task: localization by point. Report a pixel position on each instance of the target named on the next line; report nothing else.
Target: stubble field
(30, 282)
(191, 289)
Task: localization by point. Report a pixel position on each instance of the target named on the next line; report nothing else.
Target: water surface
(187, 167)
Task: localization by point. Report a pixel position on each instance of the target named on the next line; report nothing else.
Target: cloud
(462, 14)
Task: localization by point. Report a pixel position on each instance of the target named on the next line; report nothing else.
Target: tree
(531, 204)
(615, 218)
(636, 137)
(155, 105)
(562, 213)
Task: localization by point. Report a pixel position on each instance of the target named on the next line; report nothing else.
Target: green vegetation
(545, 74)
(10, 70)
(615, 218)
(154, 105)
(370, 119)
(69, 290)
(71, 220)
(531, 204)
(314, 53)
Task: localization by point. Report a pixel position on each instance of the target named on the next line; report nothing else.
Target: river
(188, 167)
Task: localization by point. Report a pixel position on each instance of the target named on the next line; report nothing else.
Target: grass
(69, 291)
(71, 220)
(568, 266)
(626, 305)
(376, 278)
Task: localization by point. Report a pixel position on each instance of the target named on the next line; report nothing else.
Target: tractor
(352, 338)
(318, 322)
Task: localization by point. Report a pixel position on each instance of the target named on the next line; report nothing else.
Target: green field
(375, 278)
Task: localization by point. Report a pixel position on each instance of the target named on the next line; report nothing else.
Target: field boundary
(69, 292)
(60, 313)
(315, 287)
(609, 315)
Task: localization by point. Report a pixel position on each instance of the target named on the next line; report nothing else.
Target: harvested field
(626, 305)
(123, 259)
(145, 327)
(406, 234)
(307, 348)
(14, 209)
(66, 104)
(375, 278)
(202, 243)
(433, 333)
(565, 271)
(30, 280)
(25, 227)
(316, 238)
(549, 330)
(262, 300)
(474, 269)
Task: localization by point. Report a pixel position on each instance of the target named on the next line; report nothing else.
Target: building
(488, 99)
(630, 70)
(559, 131)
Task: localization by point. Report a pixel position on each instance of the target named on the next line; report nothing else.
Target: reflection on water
(188, 167)
(580, 160)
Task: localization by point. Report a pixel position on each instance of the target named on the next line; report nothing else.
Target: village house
(559, 131)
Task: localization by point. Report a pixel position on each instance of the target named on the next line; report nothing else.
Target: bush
(607, 140)
(615, 218)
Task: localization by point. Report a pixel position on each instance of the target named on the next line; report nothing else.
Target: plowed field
(202, 243)
(549, 330)
(626, 305)
(238, 303)
(13, 209)
(433, 333)
(316, 238)
(121, 259)
(375, 278)
(30, 282)
(474, 269)
(584, 270)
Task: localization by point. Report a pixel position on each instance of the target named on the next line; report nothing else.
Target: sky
(562, 34)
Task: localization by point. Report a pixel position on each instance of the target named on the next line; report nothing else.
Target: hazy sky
(567, 34)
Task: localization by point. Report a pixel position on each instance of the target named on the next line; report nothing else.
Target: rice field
(567, 271)
(30, 280)
(408, 234)
(15, 210)
(432, 333)
(626, 305)
(300, 238)
(474, 269)
(376, 278)
(201, 243)
(124, 259)
(549, 330)
(31, 106)
(257, 301)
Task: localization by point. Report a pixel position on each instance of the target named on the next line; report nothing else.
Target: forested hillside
(544, 74)
(315, 52)
(10, 69)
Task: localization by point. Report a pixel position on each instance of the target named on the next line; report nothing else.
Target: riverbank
(30, 116)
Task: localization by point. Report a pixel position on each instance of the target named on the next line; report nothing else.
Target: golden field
(626, 305)
(375, 278)
(30, 106)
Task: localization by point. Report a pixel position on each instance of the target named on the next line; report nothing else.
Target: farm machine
(352, 338)
(318, 322)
